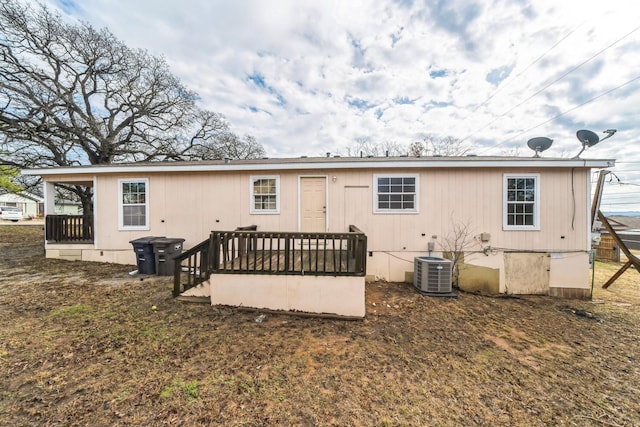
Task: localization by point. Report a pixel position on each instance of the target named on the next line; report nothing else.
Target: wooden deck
(291, 262)
(272, 253)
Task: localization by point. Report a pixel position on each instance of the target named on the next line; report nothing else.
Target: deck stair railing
(275, 253)
(194, 266)
(196, 263)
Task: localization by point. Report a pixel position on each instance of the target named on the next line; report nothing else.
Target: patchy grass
(74, 311)
(81, 345)
(189, 390)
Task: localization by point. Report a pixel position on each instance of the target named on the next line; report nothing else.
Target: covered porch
(63, 229)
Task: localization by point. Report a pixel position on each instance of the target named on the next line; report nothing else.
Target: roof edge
(324, 163)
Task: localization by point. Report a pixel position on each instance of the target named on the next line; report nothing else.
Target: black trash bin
(165, 250)
(145, 258)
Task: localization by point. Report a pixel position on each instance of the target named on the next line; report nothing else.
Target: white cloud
(490, 71)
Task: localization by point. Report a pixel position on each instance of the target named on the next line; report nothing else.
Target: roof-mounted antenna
(539, 144)
(589, 139)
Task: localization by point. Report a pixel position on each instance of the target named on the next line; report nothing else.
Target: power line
(628, 190)
(622, 199)
(626, 193)
(573, 69)
(551, 84)
(535, 61)
(626, 200)
(565, 112)
(620, 204)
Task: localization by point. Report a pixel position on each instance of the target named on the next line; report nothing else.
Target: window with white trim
(521, 205)
(265, 194)
(133, 204)
(395, 193)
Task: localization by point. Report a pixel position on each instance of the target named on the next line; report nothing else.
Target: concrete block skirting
(70, 254)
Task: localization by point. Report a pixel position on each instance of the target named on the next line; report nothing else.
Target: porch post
(49, 198)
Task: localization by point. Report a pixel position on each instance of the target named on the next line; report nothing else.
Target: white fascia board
(276, 166)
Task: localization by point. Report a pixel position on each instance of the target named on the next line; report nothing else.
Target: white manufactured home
(523, 224)
(30, 204)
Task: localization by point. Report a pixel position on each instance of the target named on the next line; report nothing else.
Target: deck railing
(274, 253)
(69, 228)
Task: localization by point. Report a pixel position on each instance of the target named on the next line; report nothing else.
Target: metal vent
(432, 276)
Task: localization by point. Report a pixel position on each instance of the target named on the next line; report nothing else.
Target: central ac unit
(432, 276)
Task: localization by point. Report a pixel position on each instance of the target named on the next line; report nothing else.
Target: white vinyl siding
(521, 202)
(395, 193)
(133, 204)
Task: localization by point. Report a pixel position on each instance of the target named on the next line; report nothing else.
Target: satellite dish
(588, 138)
(539, 144)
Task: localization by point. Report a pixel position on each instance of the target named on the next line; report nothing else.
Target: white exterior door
(313, 204)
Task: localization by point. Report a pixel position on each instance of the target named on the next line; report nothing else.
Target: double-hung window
(395, 193)
(521, 202)
(265, 194)
(133, 205)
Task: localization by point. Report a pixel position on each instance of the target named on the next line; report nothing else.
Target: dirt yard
(87, 344)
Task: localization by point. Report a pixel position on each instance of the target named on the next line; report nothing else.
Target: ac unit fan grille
(432, 275)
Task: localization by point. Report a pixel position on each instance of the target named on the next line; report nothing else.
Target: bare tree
(511, 151)
(230, 146)
(445, 146)
(209, 139)
(392, 148)
(454, 244)
(365, 147)
(416, 149)
(429, 146)
(71, 95)
(241, 148)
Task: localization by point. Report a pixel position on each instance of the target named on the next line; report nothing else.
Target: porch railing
(69, 228)
(274, 253)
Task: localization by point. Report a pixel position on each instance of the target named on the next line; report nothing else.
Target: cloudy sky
(310, 77)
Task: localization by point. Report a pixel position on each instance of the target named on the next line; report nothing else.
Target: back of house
(515, 225)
